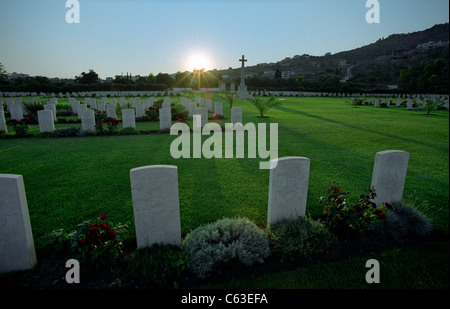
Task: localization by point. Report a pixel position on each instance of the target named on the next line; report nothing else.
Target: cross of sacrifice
(243, 60)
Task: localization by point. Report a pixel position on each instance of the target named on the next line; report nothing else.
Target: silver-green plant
(404, 222)
(301, 238)
(212, 247)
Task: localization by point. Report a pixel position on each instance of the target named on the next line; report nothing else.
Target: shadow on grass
(294, 111)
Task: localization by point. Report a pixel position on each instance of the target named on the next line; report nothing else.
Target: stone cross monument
(242, 89)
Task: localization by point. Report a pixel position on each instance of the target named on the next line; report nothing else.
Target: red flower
(388, 205)
(382, 216)
(102, 216)
(82, 243)
(12, 122)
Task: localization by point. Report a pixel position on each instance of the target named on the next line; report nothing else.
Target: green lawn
(68, 180)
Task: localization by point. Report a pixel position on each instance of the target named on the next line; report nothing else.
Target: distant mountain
(375, 65)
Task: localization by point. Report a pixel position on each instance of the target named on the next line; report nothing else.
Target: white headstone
(236, 115)
(3, 126)
(165, 119)
(16, 111)
(101, 106)
(389, 173)
(192, 108)
(409, 104)
(52, 108)
(156, 206)
(218, 108)
(140, 110)
(128, 118)
(81, 108)
(46, 121)
(17, 251)
(288, 188)
(8, 103)
(111, 111)
(88, 121)
(203, 112)
(209, 105)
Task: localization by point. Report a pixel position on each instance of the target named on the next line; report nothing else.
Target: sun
(198, 61)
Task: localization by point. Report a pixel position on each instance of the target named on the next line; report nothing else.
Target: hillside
(375, 65)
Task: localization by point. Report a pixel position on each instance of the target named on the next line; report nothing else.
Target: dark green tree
(164, 78)
(151, 78)
(2, 72)
(300, 79)
(424, 78)
(87, 78)
(277, 73)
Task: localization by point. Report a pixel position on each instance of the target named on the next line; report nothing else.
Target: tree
(229, 96)
(264, 105)
(183, 79)
(277, 73)
(2, 71)
(164, 78)
(119, 79)
(151, 78)
(87, 78)
(300, 79)
(425, 77)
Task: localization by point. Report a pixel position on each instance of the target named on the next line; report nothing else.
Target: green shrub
(357, 102)
(111, 127)
(32, 108)
(20, 127)
(225, 243)
(67, 132)
(67, 120)
(86, 133)
(152, 113)
(96, 244)
(264, 105)
(347, 219)
(301, 238)
(178, 112)
(63, 113)
(404, 222)
(45, 134)
(128, 131)
(158, 266)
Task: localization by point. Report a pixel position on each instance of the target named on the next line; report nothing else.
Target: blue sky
(153, 36)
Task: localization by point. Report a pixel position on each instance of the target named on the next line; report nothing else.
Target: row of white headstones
(420, 101)
(86, 112)
(157, 211)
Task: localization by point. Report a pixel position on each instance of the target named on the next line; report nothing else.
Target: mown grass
(68, 180)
